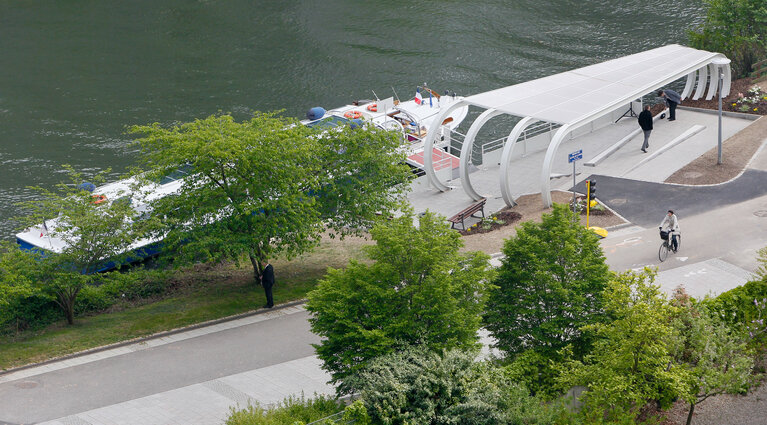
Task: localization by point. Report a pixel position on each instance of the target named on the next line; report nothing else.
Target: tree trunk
(689, 415)
(256, 268)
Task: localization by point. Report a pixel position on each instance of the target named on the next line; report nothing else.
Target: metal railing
(337, 418)
(536, 129)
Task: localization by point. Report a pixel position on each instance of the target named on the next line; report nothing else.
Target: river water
(75, 74)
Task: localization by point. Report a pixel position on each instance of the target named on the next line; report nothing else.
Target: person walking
(267, 281)
(672, 99)
(645, 121)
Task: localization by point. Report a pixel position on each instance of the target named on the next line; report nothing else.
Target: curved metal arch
(548, 161)
(727, 80)
(508, 150)
(689, 84)
(702, 77)
(431, 135)
(713, 82)
(466, 149)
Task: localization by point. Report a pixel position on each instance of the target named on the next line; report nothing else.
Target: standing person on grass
(672, 99)
(645, 121)
(267, 281)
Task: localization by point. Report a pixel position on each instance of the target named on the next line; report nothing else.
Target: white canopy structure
(575, 98)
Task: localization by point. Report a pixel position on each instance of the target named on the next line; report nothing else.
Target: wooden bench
(468, 212)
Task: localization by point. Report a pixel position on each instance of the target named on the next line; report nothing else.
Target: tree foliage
(419, 291)
(549, 285)
(419, 386)
(631, 361)
(736, 28)
(715, 356)
(268, 185)
(89, 233)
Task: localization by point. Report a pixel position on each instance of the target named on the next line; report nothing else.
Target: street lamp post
(720, 62)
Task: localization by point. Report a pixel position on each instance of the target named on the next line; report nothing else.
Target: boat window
(328, 122)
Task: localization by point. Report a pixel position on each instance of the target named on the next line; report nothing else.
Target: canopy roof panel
(574, 96)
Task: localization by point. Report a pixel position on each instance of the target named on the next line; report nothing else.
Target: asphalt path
(645, 203)
(733, 234)
(141, 373)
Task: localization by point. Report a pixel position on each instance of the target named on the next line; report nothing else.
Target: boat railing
(536, 129)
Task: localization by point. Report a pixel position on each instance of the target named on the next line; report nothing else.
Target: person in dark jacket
(672, 99)
(267, 281)
(645, 121)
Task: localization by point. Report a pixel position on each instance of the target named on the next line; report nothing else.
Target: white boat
(413, 118)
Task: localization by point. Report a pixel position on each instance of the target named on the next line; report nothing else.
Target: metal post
(720, 63)
(719, 151)
(573, 187)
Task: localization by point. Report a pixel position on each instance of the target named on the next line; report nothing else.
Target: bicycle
(665, 247)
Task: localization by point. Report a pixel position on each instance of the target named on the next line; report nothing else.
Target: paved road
(732, 234)
(644, 203)
(120, 378)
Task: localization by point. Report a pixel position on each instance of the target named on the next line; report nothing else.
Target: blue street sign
(575, 156)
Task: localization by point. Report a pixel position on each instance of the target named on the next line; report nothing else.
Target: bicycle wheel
(663, 252)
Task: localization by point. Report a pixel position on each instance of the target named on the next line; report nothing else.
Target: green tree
(419, 291)
(419, 386)
(549, 285)
(82, 234)
(268, 185)
(15, 281)
(631, 362)
(736, 28)
(715, 356)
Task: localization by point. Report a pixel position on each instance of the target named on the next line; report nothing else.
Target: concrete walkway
(626, 162)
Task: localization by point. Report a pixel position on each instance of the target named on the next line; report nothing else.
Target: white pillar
(508, 150)
(428, 161)
(466, 150)
(548, 162)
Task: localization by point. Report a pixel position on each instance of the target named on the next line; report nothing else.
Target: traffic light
(592, 188)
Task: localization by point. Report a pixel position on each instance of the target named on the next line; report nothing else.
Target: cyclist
(672, 224)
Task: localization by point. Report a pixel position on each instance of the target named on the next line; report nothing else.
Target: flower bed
(493, 222)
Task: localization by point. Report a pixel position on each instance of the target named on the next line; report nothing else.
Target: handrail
(335, 418)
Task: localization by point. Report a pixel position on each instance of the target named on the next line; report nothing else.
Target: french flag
(418, 98)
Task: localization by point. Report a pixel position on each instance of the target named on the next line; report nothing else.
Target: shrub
(291, 411)
(28, 313)
(419, 386)
(744, 306)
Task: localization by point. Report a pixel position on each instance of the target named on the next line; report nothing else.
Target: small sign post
(575, 156)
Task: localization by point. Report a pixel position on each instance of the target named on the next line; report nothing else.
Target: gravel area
(737, 151)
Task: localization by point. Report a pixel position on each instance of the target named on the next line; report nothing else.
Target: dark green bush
(29, 312)
(38, 310)
(92, 298)
(737, 306)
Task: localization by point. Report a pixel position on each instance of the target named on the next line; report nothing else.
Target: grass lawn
(207, 293)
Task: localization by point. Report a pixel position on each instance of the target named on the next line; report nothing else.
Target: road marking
(630, 241)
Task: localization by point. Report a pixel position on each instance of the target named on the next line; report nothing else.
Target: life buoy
(353, 115)
(373, 107)
(99, 199)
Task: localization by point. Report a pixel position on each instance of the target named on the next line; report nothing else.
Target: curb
(154, 336)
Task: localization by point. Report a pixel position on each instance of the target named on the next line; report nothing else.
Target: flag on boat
(418, 98)
(43, 229)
